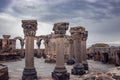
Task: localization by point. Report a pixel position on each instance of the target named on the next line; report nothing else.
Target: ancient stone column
(46, 45)
(5, 40)
(83, 46)
(29, 28)
(76, 33)
(22, 48)
(38, 44)
(71, 53)
(60, 72)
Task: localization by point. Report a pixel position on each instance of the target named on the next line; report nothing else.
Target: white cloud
(44, 28)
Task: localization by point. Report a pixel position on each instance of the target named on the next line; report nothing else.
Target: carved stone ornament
(60, 27)
(30, 27)
(76, 32)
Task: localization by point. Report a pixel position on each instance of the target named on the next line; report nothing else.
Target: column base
(85, 64)
(70, 62)
(60, 74)
(29, 74)
(78, 69)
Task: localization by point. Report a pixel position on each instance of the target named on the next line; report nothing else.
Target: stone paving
(44, 69)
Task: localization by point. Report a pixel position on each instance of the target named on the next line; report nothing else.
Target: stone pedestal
(30, 27)
(60, 72)
(29, 74)
(78, 69)
(77, 35)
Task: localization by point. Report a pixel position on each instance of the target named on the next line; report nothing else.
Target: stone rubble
(97, 75)
(114, 72)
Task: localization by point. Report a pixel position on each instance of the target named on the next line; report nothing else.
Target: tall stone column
(46, 41)
(76, 33)
(71, 53)
(29, 28)
(60, 72)
(22, 48)
(84, 60)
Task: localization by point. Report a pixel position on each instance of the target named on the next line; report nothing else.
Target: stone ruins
(60, 49)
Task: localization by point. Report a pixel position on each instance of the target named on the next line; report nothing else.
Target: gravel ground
(44, 69)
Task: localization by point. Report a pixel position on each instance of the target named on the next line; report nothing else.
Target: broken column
(29, 28)
(70, 60)
(83, 46)
(76, 33)
(60, 72)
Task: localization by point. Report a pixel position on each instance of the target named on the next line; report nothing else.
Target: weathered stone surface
(78, 69)
(97, 75)
(4, 72)
(114, 72)
(30, 27)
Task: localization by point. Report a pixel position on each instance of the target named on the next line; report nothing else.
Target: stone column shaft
(71, 51)
(29, 56)
(60, 53)
(84, 50)
(77, 51)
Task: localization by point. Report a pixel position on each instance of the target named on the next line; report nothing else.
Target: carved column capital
(77, 32)
(60, 28)
(6, 37)
(30, 27)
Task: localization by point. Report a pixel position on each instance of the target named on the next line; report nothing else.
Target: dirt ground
(44, 69)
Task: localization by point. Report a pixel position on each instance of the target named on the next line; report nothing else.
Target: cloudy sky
(100, 17)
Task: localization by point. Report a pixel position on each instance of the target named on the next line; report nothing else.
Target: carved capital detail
(79, 30)
(78, 33)
(29, 27)
(60, 28)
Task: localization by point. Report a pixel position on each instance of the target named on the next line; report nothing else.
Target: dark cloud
(100, 17)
